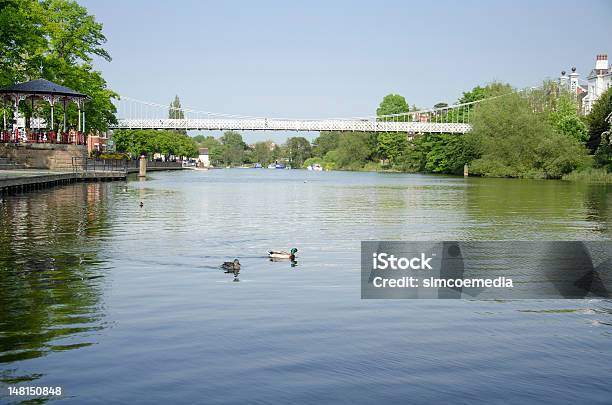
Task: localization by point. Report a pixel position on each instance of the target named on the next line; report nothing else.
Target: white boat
(315, 167)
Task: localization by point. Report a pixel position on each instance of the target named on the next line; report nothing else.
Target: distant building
(599, 80)
(571, 83)
(203, 157)
(96, 142)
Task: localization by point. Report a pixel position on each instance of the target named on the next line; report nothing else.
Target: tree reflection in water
(50, 277)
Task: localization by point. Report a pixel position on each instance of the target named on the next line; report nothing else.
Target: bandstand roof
(41, 87)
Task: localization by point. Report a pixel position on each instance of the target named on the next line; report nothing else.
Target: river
(120, 303)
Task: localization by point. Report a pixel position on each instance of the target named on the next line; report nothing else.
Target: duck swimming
(281, 254)
(231, 266)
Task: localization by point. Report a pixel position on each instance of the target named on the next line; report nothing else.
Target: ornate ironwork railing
(262, 124)
(28, 137)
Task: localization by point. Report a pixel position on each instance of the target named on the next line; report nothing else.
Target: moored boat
(315, 167)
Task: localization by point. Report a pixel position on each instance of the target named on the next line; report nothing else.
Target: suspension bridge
(138, 114)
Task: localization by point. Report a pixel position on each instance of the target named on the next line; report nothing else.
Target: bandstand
(38, 128)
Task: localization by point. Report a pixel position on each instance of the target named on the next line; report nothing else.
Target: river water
(115, 302)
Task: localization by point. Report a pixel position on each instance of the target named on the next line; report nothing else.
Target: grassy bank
(591, 176)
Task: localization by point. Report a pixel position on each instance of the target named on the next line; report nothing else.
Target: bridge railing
(294, 125)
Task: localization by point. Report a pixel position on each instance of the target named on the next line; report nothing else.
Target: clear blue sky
(316, 59)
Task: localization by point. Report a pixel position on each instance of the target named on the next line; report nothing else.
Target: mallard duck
(281, 254)
(231, 266)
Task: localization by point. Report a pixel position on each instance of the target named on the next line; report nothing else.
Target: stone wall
(42, 155)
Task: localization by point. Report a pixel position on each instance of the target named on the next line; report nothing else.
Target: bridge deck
(263, 124)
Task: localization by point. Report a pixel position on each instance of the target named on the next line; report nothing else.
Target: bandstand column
(31, 120)
(16, 115)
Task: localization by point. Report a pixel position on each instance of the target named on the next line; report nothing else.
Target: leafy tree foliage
(392, 104)
(73, 34)
(490, 90)
(262, 152)
(150, 141)
(597, 119)
(514, 141)
(299, 150)
(62, 38)
(233, 148)
(22, 39)
(392, 144)
(325, 142)
(175, 112)
(354, 150)
(565, 119)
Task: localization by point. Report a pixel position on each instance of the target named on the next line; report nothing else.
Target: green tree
(22, 40)
(597, 119)
(392, 104)
(279, 152)
(514, 141)
(199, 138)
(175, 111)
(73, 34)
(565, 119)
(478, 93)
(134, 142)
(490, 90)
(299, 149)
(391, 145)
(354, 150)
(450, 153)
(262, 152)
(150, 141)
(326, 141)
(63, 38)
(233, 148)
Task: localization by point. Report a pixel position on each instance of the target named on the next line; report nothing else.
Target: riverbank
(24, 180)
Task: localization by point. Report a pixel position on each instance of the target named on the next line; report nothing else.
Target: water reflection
(50, 275)
(597, 205)
(235, 272)
(175, 312)
(292, 262)
(541, 209)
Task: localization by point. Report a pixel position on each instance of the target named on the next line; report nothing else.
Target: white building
(570, 82)
(599, 80)
(203, 157)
